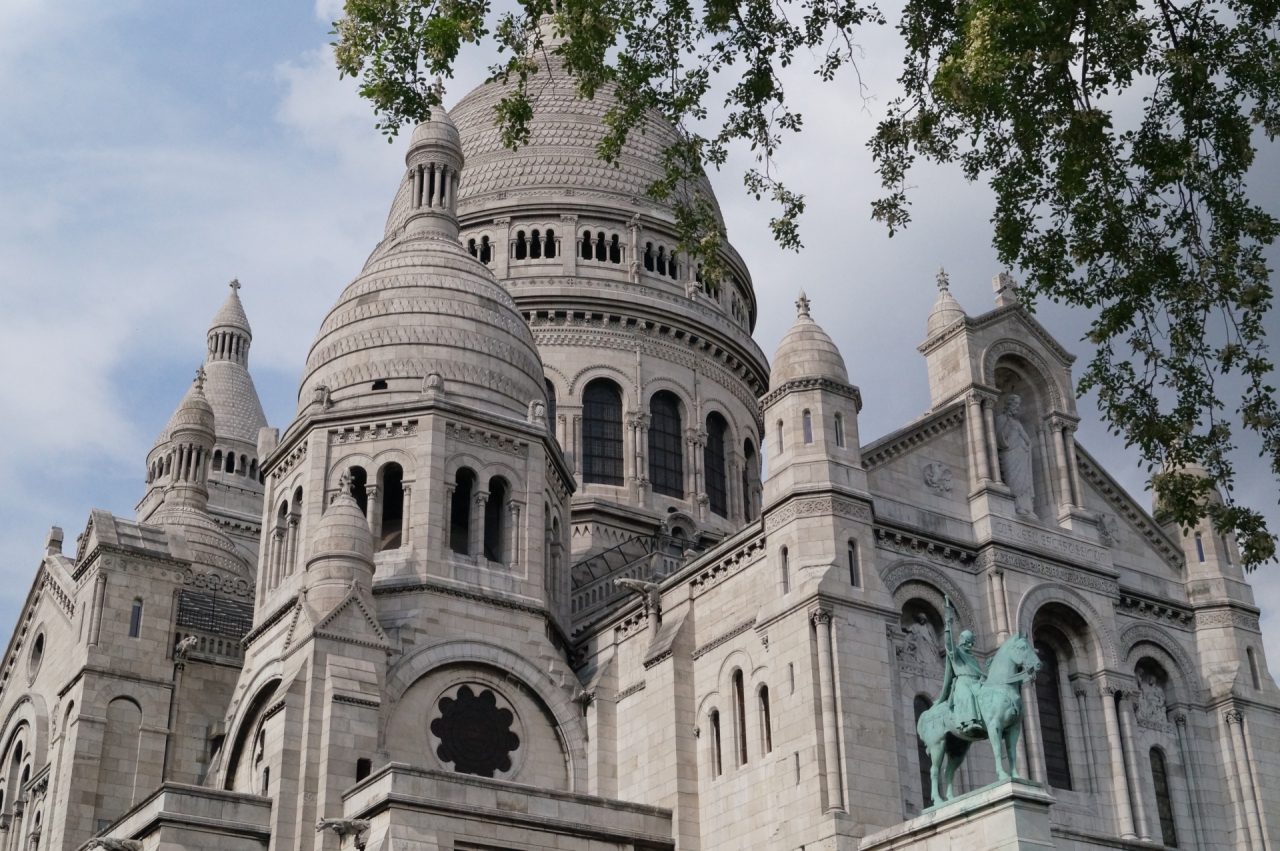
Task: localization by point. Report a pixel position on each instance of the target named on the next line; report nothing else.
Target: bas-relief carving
(939, 477)
(913, 545)
(1228, 617)
(819, 505)
(920, 648)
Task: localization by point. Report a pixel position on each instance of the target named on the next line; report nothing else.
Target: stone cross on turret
(944, 280)
(235, 283)
(802, 305)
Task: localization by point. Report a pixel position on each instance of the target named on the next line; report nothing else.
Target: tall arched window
(600, 246)
(359, 480)
(602, 433)
(392, 490)
(840, 431)
(1199, 546)
(495, 520)
(922, 704)
(717, 766)
(749, 465)
(551, 406)
(1164, 801)
(785, 569)
(217, 460)
(486, 250)
(460, 512)
(231, 466)
(766, 722)
(135, 619)
(522, 247)
(1053, 731)
(808, 427)
(713, 465)
(855, 573)
(586, 245)
(740, 716)
(781, 446)
(615, 250)
(535, 246)
(1253, 667)
(550, 251)
(666, 445)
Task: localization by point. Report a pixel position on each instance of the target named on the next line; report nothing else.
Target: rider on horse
(963, 677)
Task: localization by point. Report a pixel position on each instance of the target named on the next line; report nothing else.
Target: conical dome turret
(806, 351)
(946, 310)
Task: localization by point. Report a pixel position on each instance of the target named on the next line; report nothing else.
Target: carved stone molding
(1228, 617)
(1233, 716)
(490, 440)
(915, 545)
(1161, 612)
(882, 452)
(629, 690)
(804, 507)
(994, 557)
(728, 636)
(899, 575)
(747, 553)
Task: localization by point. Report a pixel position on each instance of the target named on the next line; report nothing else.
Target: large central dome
(559, 160)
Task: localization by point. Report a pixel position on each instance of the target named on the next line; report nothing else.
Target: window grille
(602, 434)
(666, 450)
(713, 465)
(1052, 729)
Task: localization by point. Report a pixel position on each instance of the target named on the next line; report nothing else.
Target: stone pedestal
(1010, 816)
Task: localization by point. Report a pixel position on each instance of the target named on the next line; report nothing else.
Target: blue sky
(149, 152)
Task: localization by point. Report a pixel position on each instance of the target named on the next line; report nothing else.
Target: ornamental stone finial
(235, 284)
(944, 280)
(199, 382)
(802, 304)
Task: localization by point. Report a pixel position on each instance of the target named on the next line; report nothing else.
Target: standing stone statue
(974, 706)
(922, 642)
(1014, 448)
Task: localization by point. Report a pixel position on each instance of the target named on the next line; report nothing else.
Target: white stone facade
(510, 579)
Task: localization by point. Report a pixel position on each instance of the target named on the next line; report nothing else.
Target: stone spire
(191, 437)
(435, 162)
(946, 310)
(229, 334)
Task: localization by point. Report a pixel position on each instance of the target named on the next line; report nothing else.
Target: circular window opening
(37, 655)
(475, 733)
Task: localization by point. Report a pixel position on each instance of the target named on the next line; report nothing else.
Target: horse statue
(992, 708)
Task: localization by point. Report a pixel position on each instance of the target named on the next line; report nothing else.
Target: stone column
(513, 537)
(1190, 773)
(95, 614)
(1073, 468)
(999, 604)
(475, 538)
(416, 201)
(989, 417)
(406, 515)
(979, 467)
(373, 497)
(1082, 707)
(1060, 456)
(1136, 788)
(449, 488)
(642, 458)
(826, 685)
(291, 553)
(1119, 779)
(502, 250)
(1033, 734)
(1244, 771)
(569, 247)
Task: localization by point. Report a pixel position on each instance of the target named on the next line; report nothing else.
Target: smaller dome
(343, 531)
(194, 413)
(946, 310)
(438, 130)
(806, 352)
(231, 314)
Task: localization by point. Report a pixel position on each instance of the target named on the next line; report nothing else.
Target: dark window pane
(713, 464)
(926, 786)
(602, 434)
(666, 445)
(1164, 802)
(1052, 729)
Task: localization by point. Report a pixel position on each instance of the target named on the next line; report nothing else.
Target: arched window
(648, 256)
(1253, 667)
(495, 520)
(522, 247)
(244, 464)
(808, 427)
(359, 480)
(486, 250)
(713, 465)
(460, 512)
(602, 433)
(1226, 550)
(662, 260)
(392, 490)
(551, 405)
(135, 619)
(922, 704)
(601, 247)
(471, 248)
(253, 468)
(231, 466)
(666, 445)
(766, 723)
(586, 245)
(1164, 801)
(217, 459)
(740, 716)
(615, 250)
(550, 250)
(749, 464)
(535, 246)
(1053, 730)
(785, 570)
(1199, 546)
(781, 446)
(855, 573)
(671, 265)
(839, 431)
(717, 765)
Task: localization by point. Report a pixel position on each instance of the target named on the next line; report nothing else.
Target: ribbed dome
(946, 310)
(231, 314)
(424, 306)
(343, 531)
(559, 159)
(194, 413)
(806, 352)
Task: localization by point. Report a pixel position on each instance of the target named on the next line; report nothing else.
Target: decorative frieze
(1228, 617)
(488, 439)
(1160, 611)
(630, 690)
(805, 507)
(373, 431)
(1059, 573)
(288, 462)
(728, 636)
(735, 560)
(907, 544)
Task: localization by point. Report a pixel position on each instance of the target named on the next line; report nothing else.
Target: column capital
(1233, 716)
(1180, 719)
(482, 497)
(1061, 421)
(820, 617)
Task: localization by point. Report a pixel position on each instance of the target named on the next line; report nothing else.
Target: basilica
(512, 578)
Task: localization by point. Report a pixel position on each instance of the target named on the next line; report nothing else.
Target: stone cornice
(911, 544)
(1074, 574)
(1157, 609)
(912, 437)
(721, 639)
(270, 621)
(1142, 522)
(971, 323)
(828, 385)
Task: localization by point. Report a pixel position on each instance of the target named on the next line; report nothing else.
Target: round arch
(1054, 592)
(1008, 346)
(899, 573)
(1140, 639)
(421, 662)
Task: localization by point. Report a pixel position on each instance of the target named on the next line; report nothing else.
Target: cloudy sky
(149, 152)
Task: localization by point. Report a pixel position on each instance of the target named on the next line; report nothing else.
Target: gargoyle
(184, 647)
(650, 591)
(110, 843)
(357, 828)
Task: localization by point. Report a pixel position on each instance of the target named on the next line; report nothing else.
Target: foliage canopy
(1116, 135)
